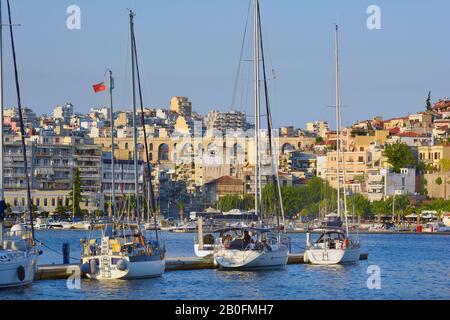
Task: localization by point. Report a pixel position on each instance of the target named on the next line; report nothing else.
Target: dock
(63, 271)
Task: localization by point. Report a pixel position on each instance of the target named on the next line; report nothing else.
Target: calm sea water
(412, 267)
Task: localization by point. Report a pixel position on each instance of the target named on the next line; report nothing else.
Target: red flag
(99, 87)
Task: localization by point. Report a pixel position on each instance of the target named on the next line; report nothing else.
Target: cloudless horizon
(191, 48)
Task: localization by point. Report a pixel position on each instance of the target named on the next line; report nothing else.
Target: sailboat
(335, 246)
(251, 248)
(18, 248)
(123, 251)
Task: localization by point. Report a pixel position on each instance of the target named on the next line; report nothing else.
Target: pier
(63, 271)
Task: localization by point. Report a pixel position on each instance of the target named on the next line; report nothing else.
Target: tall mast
(22, 128)
(256, 102)
(151, 206)
(2, 194)
(278, 202)
(133, 80)
(113, 185)
(339, 144)
(338, 127)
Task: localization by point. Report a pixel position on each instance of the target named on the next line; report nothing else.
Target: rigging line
(149, 168)
(54, 250)
(22, 128)
(233, 101)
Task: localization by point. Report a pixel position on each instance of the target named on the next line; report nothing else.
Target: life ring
(21, 273)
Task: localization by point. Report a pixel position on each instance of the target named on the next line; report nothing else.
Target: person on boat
(247, 238)
(226, 241)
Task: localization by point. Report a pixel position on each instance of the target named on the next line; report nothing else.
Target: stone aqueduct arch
(157, 145)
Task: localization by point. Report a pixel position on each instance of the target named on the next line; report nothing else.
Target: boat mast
(113, 185)
(339, 145)
(338, 128)
(2, 194)
(256, 104)
(137, 212)
(151, 205)
(278, 203)
(22, 128)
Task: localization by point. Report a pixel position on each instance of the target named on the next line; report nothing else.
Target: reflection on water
(412, 267)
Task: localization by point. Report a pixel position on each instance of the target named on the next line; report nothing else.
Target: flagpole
(113, 186)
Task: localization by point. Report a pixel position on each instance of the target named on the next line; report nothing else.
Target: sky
(191, 48)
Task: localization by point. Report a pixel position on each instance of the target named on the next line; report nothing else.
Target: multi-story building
(29, 117)
(224, 121)
(63, 113)
(88, 159)
(181, 105)
(124, 176)
(52, 163)
(354, 166)
(318, 127)
(432, 155)
(411, 139)
(296, 161)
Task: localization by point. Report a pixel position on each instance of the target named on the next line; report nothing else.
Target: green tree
(399, 156)
(439, 181)
(379, 207)
(428, 101)
(181, 207)
(360, 205)
(75, 195)
(445, 165)
(319, 140)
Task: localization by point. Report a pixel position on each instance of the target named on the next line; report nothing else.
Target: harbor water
(411, 267)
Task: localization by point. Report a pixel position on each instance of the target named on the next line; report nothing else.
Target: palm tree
(181, 207)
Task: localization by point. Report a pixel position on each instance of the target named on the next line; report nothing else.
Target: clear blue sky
(191, 48)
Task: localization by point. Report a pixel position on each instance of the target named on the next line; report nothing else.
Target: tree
(76, 199)
(428, 101)
(445, 165)
(439, 181)
(399, 156)
(181, 207)
(319, 140)
(360, 205)
(379, 207)
(231, 202)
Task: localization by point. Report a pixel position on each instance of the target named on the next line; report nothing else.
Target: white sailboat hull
(252, 259)
(208, 250)
(106, 270)
(18, 272)
(322, 256)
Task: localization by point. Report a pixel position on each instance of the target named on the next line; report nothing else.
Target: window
(53, 202)
(45, 202)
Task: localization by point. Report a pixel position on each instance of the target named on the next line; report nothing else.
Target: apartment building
(63, 113)
(181, 106)
(354, 164)
(224, 121)
(432, 155)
